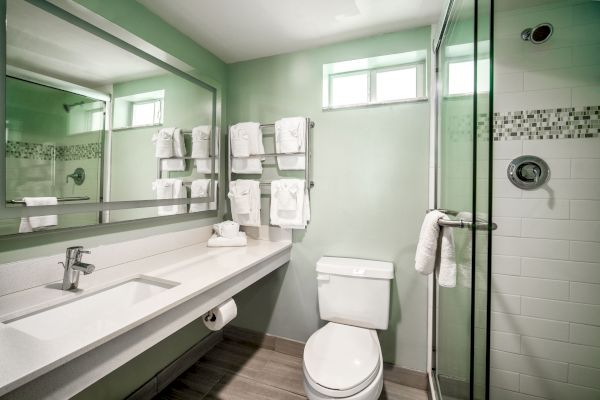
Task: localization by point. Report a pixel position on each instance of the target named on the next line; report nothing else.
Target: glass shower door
(461, 334)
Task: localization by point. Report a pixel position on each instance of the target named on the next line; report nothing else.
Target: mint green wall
(370, 171)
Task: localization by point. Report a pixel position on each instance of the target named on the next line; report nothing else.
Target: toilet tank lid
(355, 267)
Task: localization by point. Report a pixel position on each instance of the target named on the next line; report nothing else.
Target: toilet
(342, 360)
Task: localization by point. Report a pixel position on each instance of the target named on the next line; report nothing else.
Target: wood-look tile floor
(235, 371)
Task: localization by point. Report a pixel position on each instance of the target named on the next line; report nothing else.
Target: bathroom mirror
(85, 112)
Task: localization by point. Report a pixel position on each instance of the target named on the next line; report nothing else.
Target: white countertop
(197, 268)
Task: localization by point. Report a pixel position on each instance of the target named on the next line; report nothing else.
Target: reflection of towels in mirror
(163, 142)
(30, 224)
(172, 137)
(201, 149)
(245, 202)
(200, 189)
(170, 189)
(290, 137)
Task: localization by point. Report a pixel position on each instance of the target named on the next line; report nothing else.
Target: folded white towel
(425, 256)
(170, 189)
(178, 143)
(200, 189)
(246, 140)
(172, 164)
(289, 203)
(290, 137)
(163, 141)
(201, 149)
(245, 201)
(227, 229)
(219, 241)
(30, 224)
(446, 271)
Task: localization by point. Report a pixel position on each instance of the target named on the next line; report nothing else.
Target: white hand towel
(446, 272)
(172, 164)
(290, 137)
(30, 224)
(178, 143)
(180, 192)
(170, 189)
(245, 201)
(463, 243)
(163, 142)
(425, 256)
(201, 149)
(200, 189)
(289, 203)
(246, 140)
(219, 241)
(227, 229)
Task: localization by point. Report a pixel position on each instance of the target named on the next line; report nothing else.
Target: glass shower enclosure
(463, 53)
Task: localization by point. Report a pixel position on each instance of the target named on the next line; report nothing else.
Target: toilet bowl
(343, 362)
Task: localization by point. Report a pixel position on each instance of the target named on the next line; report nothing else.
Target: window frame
(156, 119)
(421, 85)
(457, 60)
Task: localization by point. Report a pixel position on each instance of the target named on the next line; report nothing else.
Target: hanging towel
(463, 244)
(246, 141)
(163, 142)
(290, 206)
(201, 148)
(200, 189)
(170, 189)
(220, 241)
(428, 243)
(30, 224)
(245, 202)
(290, 137)
(172, 164)
(446, 271)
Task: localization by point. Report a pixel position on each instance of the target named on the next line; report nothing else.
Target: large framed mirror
(97, 130)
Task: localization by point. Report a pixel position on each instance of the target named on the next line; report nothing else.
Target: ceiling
(239, 30)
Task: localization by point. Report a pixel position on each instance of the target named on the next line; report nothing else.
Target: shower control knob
(528, 172)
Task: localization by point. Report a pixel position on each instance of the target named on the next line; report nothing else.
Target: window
(146, 113)
(376, 80)
(96, 120)
(461, 76)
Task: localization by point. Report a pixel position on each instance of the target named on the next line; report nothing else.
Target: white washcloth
(290, 137)
(200, 189)
(219, 241)
(245, 202)
(170, 189)
(446, 271)
(172, 164)
(163, 142)
(30, 224)
(246, 140)
(227, 229)
(289, 203)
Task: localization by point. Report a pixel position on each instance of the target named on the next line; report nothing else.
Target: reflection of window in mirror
(146, 112)
(138, 110)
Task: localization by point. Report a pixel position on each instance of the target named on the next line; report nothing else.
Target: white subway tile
(531, 208)
(560, 310)
(508, 149)
(532, 100)
(506, 265)
(532, 287)
(503, 394)
(553, 390)
(505, 303)
(530, 326)
(585, 230)
(584, 334)
(586, 210)
(585, 251)
(586, 168)
(505, 341)
(530, 247)
(504, 188)
(511, 82)
(508, 226)
(560, 269)
(560, 168)
(545, 228)
(504, 379)
(529, 365)
(561, 351)
(499, 166)
(561, 78)
(573, 189)
(564, 148)
(585, 95)
(584, 376)
(552, 58)
(586, 293)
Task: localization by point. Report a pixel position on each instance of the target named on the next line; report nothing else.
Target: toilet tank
(354, 292)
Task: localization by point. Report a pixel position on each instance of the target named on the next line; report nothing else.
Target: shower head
(68, 107)
(538, 34)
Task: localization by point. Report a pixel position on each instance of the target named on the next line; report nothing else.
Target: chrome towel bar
(61, 199)
(479, 224)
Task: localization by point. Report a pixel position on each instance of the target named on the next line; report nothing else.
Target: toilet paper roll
(221, 315)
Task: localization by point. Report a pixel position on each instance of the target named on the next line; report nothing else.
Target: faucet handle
(82, 251)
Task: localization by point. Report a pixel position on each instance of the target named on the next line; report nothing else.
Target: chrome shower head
(67, 107)
(538, 34)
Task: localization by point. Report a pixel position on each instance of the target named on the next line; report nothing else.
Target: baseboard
(392, 373)
(168, 374)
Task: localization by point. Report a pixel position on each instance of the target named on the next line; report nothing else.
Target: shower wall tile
(505, 341)
(529, 365)
(585, 334)
(586, 168)
(560, 351)
(560, 269)
(585, 210)
(587, 293)
(584, 376)
(504, 379)
(554, 390)
(584, 95)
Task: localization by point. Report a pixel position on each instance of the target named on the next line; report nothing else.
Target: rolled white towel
(219, 241)
(446, 272)
(425, 256)
(163, 142)
(178, 143)
(227, 229)
(200, 141)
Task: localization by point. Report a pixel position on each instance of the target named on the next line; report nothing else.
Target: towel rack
(61, 199)
(479, 224)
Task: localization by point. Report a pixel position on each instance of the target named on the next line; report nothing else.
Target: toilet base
(371, 392)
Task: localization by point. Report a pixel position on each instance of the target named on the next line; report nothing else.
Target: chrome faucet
(73, 266)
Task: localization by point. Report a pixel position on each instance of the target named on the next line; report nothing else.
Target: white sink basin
(88, 312)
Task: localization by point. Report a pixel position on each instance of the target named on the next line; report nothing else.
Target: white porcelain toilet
(342, 360)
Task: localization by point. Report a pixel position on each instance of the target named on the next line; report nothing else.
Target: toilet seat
(341, 360)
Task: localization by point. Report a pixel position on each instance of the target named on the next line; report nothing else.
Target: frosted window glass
(350, 89)
(145, 113)
(397, 85)
(460, 77)
(97, 121)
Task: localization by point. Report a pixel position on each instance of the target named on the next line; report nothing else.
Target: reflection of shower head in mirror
(68, 107)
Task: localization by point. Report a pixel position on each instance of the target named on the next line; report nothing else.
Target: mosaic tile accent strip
(558, 123)
(47, 152)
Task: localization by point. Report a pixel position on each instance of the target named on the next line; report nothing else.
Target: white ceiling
(238, 30)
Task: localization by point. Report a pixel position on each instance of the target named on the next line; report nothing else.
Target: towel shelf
(272, 155)
(479, 225)
(61, 199)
